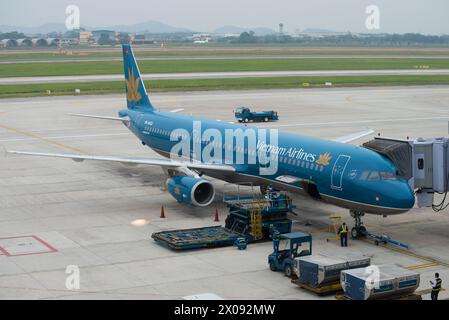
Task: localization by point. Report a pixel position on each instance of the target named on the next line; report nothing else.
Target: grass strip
(33, 90)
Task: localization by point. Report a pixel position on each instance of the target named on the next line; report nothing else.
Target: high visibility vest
(437, 286)
(344, 229)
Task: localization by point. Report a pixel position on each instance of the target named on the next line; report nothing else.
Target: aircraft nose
(405, 196)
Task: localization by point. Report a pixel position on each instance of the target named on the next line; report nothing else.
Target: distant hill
(45, 28)
(260, 31)
(316, 30)
(149, 26)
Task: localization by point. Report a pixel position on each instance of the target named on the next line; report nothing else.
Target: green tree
(12, 35)
(247, 37)
(104, 40)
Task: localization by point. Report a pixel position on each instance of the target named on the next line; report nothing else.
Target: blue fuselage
(346, 175)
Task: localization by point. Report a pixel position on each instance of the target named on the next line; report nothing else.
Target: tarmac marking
(35, 136)
(24, 246)
(440, 91)
(168, 100)
(349, 98)
(426, 291)
(420, 266)
(431, 261)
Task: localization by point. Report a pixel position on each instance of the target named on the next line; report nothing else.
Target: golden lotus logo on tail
(324, 159)
(132, 87)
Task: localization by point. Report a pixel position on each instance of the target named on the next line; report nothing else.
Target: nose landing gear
(359, 230)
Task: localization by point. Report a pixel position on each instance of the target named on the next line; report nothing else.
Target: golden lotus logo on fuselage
(132, 87)
(324, 159)
(177, 191)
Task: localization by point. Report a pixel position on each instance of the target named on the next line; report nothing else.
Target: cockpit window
(364, 175)
(374, 175)
(387, 175)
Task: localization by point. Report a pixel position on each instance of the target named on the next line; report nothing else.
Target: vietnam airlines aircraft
(332, 171)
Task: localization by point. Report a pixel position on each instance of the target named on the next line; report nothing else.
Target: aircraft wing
(134, 161)
(353, 136)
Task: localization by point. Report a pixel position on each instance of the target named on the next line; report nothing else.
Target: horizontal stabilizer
(99, 117)
(177, 110)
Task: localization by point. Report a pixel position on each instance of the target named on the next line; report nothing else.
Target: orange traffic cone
(162, 212)
(216, 219)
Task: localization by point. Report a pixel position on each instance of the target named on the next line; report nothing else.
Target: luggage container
(318, 270)
(393, 281)
(354, 260)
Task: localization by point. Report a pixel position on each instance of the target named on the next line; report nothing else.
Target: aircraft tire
(288, 271)
(354, 233)
(357, 233)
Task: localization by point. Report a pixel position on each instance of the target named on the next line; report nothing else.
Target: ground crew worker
(343, 233)
(436, 286)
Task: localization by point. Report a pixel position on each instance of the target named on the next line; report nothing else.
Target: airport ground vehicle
(244, 114)
(285, 250)
(250, 219)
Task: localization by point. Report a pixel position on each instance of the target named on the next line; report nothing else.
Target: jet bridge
(424, 162)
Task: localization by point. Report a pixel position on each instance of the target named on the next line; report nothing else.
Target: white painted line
(218, 75)
(67, 137)
(352, 122)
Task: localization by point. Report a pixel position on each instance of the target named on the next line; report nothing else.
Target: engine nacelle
(194, 191)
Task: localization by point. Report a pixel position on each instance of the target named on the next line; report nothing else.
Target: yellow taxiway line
(35, 136)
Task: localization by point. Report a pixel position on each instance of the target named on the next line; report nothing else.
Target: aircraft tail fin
(136, 94)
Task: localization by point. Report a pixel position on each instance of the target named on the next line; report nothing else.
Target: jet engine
(190, 190)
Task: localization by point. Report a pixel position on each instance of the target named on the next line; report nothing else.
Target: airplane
(332, 171)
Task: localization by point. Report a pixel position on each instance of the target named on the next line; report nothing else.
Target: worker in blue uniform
(343, 233)
(436, 286)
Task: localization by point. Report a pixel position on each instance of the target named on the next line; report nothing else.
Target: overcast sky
(400, 16)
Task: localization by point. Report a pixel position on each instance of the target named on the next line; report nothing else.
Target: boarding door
(338, 171)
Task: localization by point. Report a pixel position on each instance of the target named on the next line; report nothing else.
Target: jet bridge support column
(431, 171)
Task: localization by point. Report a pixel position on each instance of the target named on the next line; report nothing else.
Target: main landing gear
(359, 230)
